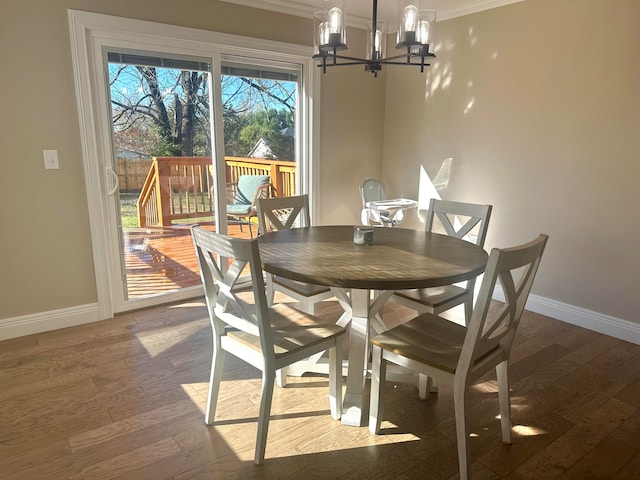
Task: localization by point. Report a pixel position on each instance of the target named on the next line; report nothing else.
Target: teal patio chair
(244, 196)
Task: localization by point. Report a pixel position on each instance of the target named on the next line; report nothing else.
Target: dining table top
(398, 258)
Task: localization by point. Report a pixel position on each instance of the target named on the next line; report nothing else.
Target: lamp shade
(330, 30)
(408, 18)
(377, 41)
(424, 32)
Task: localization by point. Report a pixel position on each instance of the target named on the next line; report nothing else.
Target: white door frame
(90, 33)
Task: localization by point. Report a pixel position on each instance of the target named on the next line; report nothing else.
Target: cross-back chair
(458, 220)
(269, 338)
(280, 213)
(438, 348)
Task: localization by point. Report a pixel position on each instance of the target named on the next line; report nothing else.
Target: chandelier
(415, 32)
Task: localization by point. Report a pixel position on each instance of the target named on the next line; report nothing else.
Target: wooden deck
(161, 259)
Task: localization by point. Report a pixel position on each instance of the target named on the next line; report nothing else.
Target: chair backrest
(372, 190)
(492, 328)
(247, 186)
(459, 219)
(222, 259)
(281, 213)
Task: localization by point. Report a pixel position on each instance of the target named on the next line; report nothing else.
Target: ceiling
(359, 12)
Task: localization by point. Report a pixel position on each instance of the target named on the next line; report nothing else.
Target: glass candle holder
(363, 235)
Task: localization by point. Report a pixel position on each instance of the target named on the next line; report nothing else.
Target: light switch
(51, 159)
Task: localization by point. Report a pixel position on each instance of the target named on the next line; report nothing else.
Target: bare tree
(171, 107)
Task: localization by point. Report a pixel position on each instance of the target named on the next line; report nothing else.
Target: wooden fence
(179, 188)
(132, 173)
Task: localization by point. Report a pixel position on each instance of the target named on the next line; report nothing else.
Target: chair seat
(238, 209)
(292, 330)
(304, 289)
(427, 339)
(434, 297)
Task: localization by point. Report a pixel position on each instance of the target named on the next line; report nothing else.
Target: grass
(129, 211)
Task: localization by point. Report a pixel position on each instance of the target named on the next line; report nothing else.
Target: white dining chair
(268, 338)
(279, 213)
(451, 353)
(459, 220)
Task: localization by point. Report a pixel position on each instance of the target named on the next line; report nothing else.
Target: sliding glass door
(181, 133)
(162, 144)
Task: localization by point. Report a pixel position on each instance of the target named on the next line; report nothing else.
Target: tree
(170, 107)
(271, 125)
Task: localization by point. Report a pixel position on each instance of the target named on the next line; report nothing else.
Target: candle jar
(363, 235)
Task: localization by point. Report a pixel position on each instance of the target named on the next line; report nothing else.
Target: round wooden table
(398, 259)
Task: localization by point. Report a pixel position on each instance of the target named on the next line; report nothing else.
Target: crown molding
(468, 7)
(292, 7)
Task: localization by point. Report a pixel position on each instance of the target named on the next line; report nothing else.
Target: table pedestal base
(361, 313)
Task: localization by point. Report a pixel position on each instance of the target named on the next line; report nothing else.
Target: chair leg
(281, 377)
(505, 400)
(271, 291)
(215, 377)
(335, 379)
(468, 308)
(462, 432)
(378, 374)
(265, 413)
(424, 386)
(468, 303)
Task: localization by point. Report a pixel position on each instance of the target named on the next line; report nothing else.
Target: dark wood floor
(123, 399)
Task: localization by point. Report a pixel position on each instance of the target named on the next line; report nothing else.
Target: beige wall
(536, 102)
(47, 261)
(539, 106)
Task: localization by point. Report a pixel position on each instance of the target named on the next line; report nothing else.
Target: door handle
(111, 173)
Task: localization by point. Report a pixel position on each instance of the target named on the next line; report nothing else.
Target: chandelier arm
(417, 64)
(346, 63)
(395, 57)
(354, 59)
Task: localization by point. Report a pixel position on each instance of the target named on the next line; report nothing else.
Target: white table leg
(355, 401)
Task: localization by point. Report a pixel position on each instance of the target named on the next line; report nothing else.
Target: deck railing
(179, 188)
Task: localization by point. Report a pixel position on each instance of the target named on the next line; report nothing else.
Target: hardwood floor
(124, 399)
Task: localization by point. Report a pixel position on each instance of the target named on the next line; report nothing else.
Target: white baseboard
(69, 317)
(598, 322)
(45, 321)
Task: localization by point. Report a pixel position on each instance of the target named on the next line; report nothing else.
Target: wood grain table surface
(398, 259)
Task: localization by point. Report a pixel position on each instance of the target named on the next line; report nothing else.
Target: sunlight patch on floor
(528, 431)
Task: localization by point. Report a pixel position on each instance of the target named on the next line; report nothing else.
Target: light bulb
(422, 34)
(324, 33)
(335, 20)
(377, 41)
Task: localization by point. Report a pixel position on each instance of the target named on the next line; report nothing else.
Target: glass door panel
(260, 136)
(161, 135)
